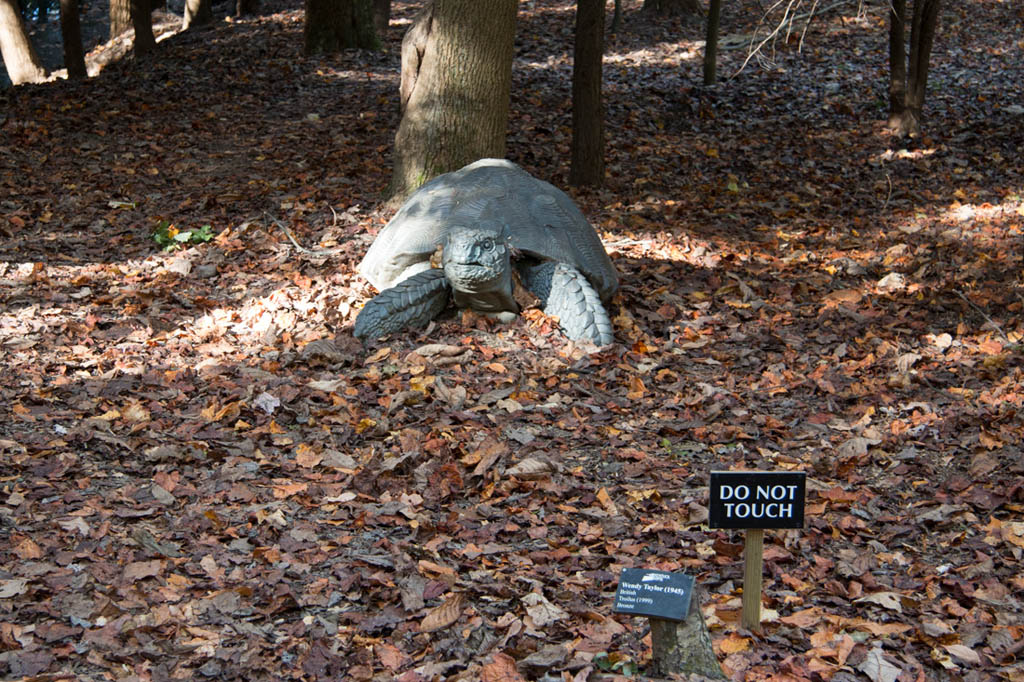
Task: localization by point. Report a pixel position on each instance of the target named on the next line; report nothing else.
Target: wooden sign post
(754, 501)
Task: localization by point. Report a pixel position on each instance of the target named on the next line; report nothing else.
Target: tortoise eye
(488, 245)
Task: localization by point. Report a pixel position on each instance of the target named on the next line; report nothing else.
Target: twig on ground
(299, 247)
(983, 314)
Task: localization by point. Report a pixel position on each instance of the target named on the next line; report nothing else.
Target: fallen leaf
(444, 615)
(501, 668)
(877, 667)
(890, 600)
(13, 587)
(541, 611)
(964, 653)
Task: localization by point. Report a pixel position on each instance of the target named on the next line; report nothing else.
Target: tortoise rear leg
(565, 293)
(413, 302)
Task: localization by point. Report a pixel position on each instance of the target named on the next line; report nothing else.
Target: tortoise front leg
(566, 294)
(413, 302)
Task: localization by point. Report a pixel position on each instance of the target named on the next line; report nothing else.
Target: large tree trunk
(197, 13)
(71, 36)
(335, 25)
(456, 78)
(381, 17)
(120, 17)
(664, 8)
(908, 74)
(21, 60)
(142, 22)
(684, 647)
(587, 166)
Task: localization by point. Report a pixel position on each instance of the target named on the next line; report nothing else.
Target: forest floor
(203, 475)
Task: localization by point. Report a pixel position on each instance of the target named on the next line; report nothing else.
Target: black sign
(757, 499)
(659, 594)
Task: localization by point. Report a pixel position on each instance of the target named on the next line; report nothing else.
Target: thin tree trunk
(20, 58)
(711, 42)
(71, 36)
(197, 13)
(665, 8)
(335, 25)
(922, 36)
(897, 61)
(587, 166)
(456, 78)
(142, 22)
(616, 17)
(908, 74)
(246, 7)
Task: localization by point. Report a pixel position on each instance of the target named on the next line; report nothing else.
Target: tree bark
(142, 22)
(197, 13)
(120, 17)
(587, 150)
(897, 61)
(381, 17)
(246, 7)
(71, 37)
(666, 8)
(685, 646)
(20, 58)
(711, 42)
(456, 78)
(908, 74)
(335, 25)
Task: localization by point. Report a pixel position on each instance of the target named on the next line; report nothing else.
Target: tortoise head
(478, 259)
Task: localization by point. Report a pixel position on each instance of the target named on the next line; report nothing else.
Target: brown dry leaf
(485, 454)
(378, 356)
(13, 587)
(989, 441)
(877, 667)
(283, 490)
(982, 464)
(541, 611)
(606, 501)
(530, 468)
(637, 390)
(1013, 532)
(964, 653)
(443, 615)
(734, 643)
(889, 600)
(429, 567)
(879, 629)
(229, 411)
(454, 396)
(806, 618)
(142, 569)
(391, 657)
(135, 412)
(307, 457)
(26, 548)
(502, 668)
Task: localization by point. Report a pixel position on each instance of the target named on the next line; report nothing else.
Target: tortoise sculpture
(488, 218)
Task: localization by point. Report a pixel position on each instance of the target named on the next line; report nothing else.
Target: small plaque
(757, 499)
(658, 594)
